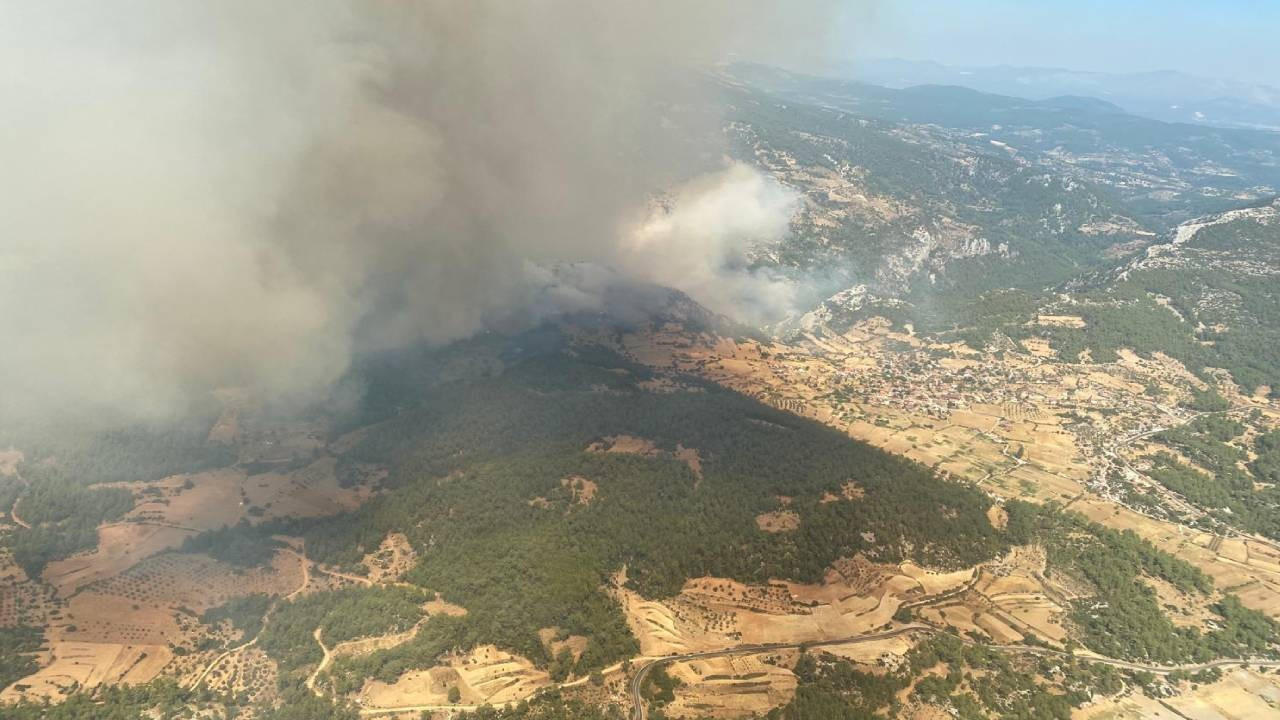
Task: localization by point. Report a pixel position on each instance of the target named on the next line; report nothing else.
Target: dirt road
(637, 700)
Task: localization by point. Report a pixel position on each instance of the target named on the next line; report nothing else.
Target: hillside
(937, 194)
(1022, 462)
(523, 517)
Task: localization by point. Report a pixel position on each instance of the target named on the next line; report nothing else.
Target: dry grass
(857, 596)
(1239, 695)
(86, 666)
(1067, 321)
(485, 674)
(778, 521)
(732, 687)
(582, 489)
(393, 558)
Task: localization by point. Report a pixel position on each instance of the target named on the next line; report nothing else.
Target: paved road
(1126, 665)
(637, 701)
(1175, 499)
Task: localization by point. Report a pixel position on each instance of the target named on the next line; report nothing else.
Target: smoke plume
(243, 193)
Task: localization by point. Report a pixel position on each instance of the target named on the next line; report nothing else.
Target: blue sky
(1229, 39)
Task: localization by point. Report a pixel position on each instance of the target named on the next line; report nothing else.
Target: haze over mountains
(494, 360)
(1167, 95)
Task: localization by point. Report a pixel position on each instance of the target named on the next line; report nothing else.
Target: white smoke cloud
(199, 195)
(699, 241)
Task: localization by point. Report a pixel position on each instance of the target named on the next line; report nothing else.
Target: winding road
(1115, 455)
(13, 514)
(266, 618)
(324, 663)
(637, 682)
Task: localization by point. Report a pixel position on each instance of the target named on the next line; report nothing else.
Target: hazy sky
(1229, 39)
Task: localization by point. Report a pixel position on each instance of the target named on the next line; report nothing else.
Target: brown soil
(483, 675)
(627, 444)
(393, 558)
(9, 462)
(732, 687)
(778, 521)
(582, 489)
(997, 516)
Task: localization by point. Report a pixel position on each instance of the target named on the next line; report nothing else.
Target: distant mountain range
(1163, 95)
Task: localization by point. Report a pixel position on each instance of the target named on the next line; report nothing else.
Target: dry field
(582, 489)
(778, 521)
(250, 672)
(196, 582)
(23, 601)
(120, 547)
(1239, 695)
(416, 687)
(856, 597)
(87, 665)
(178, 507)
(440, 606)
(555, 641)
(124, 628)
(626, 444)
(485, 674)
(1247, 568)
(1020, 426)
(732, 687)
(117, 613)
(391, 560)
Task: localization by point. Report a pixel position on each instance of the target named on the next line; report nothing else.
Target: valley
(1015, 454)
(1008, 427)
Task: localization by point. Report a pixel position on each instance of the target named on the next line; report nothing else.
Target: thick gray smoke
(245, 193)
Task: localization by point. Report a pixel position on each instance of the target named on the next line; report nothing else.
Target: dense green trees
(18, 646)
(1208, 400)
(64, 517)
(1221, 481)
(244, 613)
(61, 463)
(341, 615)
(161, 699)
(1123, 617)
(551, 706)
(302, 704)
(831, 688)
(468, 456)
(1266, 466)
(242, 545)
(122, 453)
(659, 686)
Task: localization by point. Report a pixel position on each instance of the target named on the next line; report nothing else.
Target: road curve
(324, 662)
(266, 618)
(637, 701)
(13, 514)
